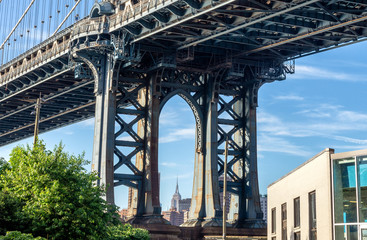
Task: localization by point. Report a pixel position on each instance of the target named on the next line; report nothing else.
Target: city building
(179, 210)
(228, 195)
(264, 206)
(324, 198)
(176, 198)
(174, 217)
(123, 214)
(184, 204)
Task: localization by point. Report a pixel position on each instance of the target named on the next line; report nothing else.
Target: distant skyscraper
(178, 212)
(175, 202)
(229, 195)
(184, 204)
(264, 205)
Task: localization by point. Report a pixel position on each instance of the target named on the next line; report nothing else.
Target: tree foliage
(126, 232)
(4, 165)
(50, 194)
(16, 235)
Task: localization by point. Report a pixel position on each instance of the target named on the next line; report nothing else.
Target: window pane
(364, 234)
(362, 175)
(297, 236)
(312, 215)
(273, 220)
(348, 232)
(345, 202)
(340, 233)
(284, 221)
(296, 212)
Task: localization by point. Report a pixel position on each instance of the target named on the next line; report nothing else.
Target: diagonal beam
(300, 37)
(246, 24)
(337, 19)
(199, 13)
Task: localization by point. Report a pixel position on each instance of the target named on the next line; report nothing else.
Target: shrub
(127, 232)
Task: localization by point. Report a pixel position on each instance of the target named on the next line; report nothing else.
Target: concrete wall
(313, 175)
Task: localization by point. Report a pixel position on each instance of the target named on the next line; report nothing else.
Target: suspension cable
(67, 16)
(16, 25)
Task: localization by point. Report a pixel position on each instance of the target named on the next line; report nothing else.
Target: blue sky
(322, 105)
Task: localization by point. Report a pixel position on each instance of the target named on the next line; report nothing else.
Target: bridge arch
(195, 108)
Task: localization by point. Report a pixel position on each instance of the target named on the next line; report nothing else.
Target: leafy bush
(127, 232)
(53, 196)
(19, 236)
(50, 194)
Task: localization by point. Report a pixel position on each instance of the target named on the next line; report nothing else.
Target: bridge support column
(103, 145)
(247, 204)
(213, 210)
(148, 203)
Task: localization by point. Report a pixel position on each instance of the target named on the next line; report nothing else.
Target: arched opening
(176, 156)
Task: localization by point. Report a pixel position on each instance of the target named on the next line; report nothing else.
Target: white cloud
(276, 144)
(168, 118)
(311, 72)
(178, 134)
(324, 121)
(169, 164)
(351, 140)
(289, 97)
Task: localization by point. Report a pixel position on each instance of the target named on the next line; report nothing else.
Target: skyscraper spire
(176, 198)
(177, 185)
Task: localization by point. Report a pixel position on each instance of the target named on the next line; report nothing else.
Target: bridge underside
(198, 36)
(122, 69)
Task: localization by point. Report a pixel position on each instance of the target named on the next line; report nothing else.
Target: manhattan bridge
(120, 61)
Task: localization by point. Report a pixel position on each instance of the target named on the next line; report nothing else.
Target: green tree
(16, 235)
(126, 232)
(57, 196)
(10, 207)
(4, 165)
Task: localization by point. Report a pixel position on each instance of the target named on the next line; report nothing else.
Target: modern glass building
(349, 185)
(325, 198)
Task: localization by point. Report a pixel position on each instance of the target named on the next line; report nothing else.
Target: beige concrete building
(289, 199)
(324, 198)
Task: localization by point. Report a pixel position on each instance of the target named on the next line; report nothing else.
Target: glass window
(348, 232)
(345, 202)
(297, 236)
(364, 234)
(362, 177)
(273, 220)
(297, 219)
(312, 215)
(284, 221)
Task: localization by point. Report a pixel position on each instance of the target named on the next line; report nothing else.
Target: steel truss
(129, 99)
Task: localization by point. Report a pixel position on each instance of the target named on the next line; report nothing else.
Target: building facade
(184, 204)
(176, 198)
(264, 206)
(174, 217)
(299, 204)
(324, 198)
(350, 195)
(179, 210)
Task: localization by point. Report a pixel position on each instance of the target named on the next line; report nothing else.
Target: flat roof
(349, 154)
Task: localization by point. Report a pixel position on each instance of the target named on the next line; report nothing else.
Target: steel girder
(128, 104)
(194, 33)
